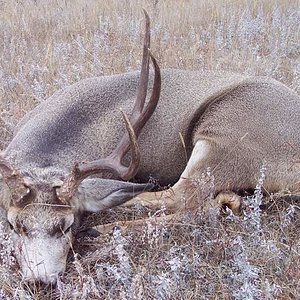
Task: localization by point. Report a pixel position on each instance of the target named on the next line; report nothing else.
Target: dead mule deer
(229, 123)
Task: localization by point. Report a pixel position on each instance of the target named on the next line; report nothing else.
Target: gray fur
(93, 105)
(83, 122)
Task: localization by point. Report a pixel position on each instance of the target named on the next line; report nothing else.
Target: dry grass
(48, 44)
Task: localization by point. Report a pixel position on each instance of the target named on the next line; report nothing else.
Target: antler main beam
(134, 124)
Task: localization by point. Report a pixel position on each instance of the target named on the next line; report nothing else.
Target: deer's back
(83, 122)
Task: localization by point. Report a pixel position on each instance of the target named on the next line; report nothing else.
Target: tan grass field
(46, 45)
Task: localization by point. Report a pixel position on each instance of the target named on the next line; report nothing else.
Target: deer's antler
(134, 124)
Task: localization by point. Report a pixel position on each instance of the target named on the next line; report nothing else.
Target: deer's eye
(11, 226)
(68, 229)
(20, 228)
(63, 233)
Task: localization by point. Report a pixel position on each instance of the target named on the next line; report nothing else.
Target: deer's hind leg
(173, 198)
(195, 188)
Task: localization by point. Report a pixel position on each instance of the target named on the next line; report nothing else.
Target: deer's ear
(98, 194)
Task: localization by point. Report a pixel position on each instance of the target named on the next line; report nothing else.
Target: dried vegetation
(47, 44)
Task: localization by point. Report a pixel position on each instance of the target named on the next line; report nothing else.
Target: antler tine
(151, 106)
(134, 125)
(143, 81)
